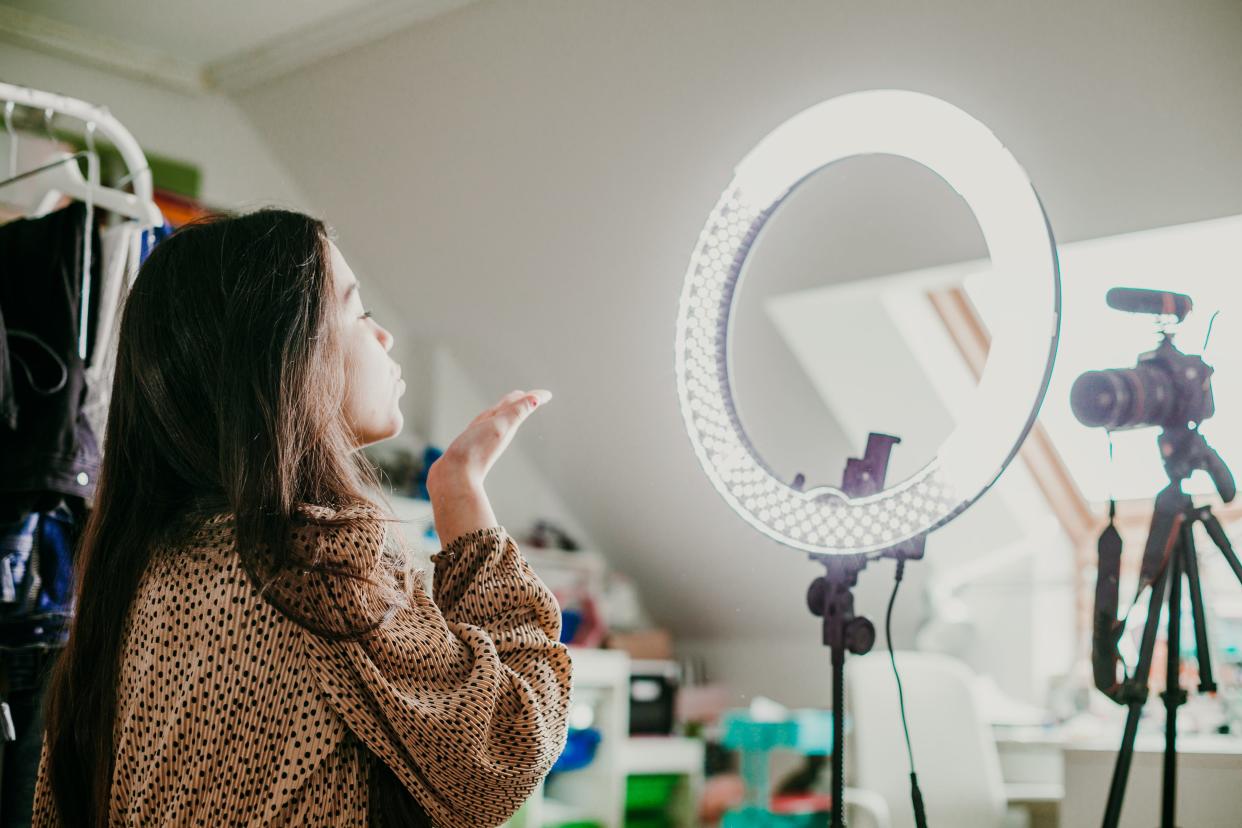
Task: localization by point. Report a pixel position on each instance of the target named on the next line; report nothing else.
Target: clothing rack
(141, 201)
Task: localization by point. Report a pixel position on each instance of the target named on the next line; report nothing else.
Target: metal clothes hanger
(63, 177)
(140, 204)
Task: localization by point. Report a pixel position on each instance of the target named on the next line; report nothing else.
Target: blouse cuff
(455, 547)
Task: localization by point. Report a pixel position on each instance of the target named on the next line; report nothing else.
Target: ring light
(972, 161)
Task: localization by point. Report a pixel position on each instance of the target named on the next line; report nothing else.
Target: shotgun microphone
(1159, 302)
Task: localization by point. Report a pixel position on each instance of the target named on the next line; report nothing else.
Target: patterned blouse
(230, 713)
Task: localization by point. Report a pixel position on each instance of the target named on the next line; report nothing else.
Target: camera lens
(1123, 397)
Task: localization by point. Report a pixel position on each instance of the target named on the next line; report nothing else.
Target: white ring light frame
(972, 161)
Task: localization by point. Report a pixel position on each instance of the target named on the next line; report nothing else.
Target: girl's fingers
(542, 394)
(513, 413)
(510, 397)
(505, 400)
(525, 404)
(490, 433)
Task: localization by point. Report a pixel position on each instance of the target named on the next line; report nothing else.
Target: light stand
(865, 519)
(1169, 554)
(830, 597)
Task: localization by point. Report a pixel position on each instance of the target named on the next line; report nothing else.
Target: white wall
(529, 178)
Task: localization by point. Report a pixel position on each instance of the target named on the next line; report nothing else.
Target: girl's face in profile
(373, 384)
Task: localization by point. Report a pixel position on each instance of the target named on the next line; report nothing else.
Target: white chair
(954, 752)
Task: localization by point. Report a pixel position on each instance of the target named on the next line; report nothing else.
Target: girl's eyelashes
(367, 315)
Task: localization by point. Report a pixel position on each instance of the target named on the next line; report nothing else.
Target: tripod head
(1184, 451)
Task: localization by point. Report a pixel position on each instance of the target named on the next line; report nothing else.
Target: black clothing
(52, 448)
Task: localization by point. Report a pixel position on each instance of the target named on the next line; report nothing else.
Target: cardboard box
(643, 644)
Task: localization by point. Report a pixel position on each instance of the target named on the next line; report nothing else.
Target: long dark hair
(227, 396)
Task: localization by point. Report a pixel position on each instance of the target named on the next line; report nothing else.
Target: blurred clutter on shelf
(653, 741)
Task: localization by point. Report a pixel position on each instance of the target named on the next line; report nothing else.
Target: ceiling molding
(322, 40)
(43, 34)
(235, 73)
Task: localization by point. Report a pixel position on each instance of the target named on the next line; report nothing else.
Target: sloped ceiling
(526, 181)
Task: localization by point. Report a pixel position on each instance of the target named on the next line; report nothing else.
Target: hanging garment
(28, 670)
(8, 400)
(36, 577)
(37, 546)
(16, 546)
(152, 237)
(36, 606)
(53, 447)
(121, 248)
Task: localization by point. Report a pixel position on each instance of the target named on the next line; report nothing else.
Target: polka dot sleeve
(464, 695)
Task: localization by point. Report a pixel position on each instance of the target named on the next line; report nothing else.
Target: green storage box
(649, 791)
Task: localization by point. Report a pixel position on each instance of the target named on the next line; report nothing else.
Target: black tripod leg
(1136, 694)
(1217, 533)
(1172, 689)
(1121, 770)
(1207, 684)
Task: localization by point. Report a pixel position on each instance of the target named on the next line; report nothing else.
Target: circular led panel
(971, 160)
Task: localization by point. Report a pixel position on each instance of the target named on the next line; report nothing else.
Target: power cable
(916, 796)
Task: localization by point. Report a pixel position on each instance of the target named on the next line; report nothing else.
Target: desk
(1033, 767)
(1209, 782)
(1042, 766)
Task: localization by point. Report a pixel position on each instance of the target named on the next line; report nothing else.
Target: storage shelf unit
(679, 755)
(662, 754)
(597, 792)
(601, 679)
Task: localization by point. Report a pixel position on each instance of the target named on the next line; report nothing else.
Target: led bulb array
(969, 158)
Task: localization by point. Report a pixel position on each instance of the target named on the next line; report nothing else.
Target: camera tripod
(1169, 556)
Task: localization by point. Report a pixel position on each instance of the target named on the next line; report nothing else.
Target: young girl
(250, 645)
